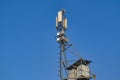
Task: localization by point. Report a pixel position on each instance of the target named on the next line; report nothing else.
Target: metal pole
(62, 40)
(61, 61)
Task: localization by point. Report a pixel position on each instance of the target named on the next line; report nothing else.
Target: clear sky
(28, 48)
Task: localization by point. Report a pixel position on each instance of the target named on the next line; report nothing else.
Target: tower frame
(64, 68)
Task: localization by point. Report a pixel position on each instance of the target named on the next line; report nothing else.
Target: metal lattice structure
(79, 70)
(61, 26)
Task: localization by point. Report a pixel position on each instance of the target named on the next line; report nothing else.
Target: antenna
(79, 70)
(61, 26)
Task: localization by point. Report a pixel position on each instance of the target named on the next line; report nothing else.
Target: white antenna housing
(65, 23)
(56, 22)
(60, 16)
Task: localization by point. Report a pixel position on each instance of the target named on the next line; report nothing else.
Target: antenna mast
(79, 70)
(61, 26)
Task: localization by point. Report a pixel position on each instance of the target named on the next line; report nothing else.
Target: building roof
(79, 62)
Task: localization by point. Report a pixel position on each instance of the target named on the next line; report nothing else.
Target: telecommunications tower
(79, 70)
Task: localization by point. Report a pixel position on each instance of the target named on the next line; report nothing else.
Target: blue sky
(28, 48)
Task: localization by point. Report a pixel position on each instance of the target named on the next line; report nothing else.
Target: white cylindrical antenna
(56, 22)
(60, 16)
(65, 23)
